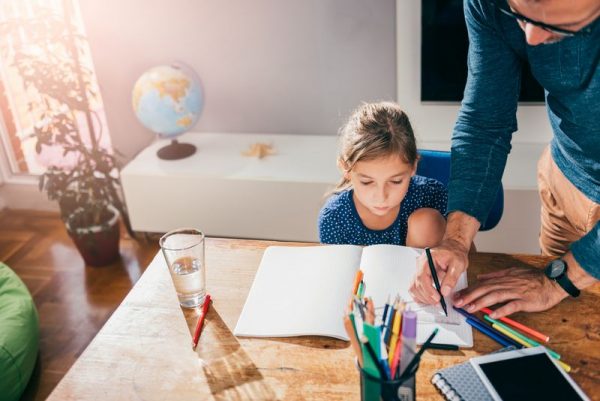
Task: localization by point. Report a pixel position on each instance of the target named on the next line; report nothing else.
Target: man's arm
(480, 145)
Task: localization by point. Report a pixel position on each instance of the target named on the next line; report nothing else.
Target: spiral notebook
(462, 383)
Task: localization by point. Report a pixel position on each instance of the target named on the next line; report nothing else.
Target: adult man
(561, 42)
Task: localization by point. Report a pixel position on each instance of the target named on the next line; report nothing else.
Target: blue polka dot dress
(339, 222)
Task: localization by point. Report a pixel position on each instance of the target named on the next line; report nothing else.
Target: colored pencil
(200, 323)
(357, 279)
(529, 341)
(396, 359)
(350, 327)
(370, 318)
(394, 337)
(521, 327)
(487, 330)
(566, 367)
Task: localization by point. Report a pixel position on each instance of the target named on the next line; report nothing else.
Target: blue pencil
(487, 330)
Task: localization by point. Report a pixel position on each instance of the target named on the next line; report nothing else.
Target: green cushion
(19, 335)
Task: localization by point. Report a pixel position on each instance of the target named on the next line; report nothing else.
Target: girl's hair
(375, 130)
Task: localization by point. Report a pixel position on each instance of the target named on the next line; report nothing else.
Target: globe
(167, 100)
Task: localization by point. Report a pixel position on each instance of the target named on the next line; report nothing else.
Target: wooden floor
(73, 301)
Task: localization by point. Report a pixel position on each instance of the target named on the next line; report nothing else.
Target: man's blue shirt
(570, 74)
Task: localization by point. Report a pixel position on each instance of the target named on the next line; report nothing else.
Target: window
(46, 72)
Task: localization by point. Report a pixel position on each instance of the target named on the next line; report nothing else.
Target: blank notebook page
(300, 291)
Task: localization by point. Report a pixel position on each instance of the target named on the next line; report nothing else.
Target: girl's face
(380, 184)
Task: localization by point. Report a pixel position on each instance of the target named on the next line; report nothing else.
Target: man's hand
(520, 289)
(451, 259)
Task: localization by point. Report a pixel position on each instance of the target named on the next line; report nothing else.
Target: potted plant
(46, 49)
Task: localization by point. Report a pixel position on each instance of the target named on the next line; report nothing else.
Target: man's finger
(469, 295)
(508, 309)
(450, 279)
(492, 298)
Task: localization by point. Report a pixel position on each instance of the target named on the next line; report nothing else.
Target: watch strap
(567, 285)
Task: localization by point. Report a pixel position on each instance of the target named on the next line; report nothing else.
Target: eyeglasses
(502, 6)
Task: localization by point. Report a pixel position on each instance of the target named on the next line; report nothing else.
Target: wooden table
(144, 350)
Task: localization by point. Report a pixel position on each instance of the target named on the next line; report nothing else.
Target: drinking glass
(183, 249)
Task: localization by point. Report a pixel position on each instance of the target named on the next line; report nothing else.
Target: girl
(380, 200)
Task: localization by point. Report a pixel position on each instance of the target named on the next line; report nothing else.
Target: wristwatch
(557, 271)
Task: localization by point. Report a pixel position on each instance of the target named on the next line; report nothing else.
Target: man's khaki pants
(567, 214)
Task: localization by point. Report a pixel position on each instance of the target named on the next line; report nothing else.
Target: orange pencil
(523, 328)
(370, 311)
(200, 323)
(357, 280)
(351, 331)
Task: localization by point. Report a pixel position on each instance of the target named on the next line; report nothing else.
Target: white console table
(279, 197)
(223, 193)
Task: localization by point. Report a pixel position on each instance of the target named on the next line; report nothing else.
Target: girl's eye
(397, 182)
(366, 182)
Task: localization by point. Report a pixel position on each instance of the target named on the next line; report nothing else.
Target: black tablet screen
(532, 377)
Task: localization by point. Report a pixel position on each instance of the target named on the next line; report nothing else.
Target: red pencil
(200, 323)
(522, 327)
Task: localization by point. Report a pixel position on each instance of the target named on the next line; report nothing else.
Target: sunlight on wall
(45, 62)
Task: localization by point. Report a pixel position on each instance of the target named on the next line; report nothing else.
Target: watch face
(556, 268)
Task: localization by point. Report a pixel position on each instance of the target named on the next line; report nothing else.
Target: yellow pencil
(395, 334)
(507, 333)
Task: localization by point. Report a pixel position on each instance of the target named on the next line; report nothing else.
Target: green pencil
(528, 340)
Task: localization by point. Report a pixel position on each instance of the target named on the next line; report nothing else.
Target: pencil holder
(375, 389)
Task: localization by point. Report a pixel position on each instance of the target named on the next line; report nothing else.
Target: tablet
(526, 374)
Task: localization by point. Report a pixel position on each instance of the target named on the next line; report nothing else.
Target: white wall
(267, 66)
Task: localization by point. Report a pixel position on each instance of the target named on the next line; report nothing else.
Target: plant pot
(98, 245)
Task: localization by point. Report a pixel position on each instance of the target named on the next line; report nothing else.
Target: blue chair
(436, 164)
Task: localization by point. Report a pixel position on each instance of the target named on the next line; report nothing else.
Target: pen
(435, 280)
(360, 308)
(200, 323)
(447, 347)
(385, 310)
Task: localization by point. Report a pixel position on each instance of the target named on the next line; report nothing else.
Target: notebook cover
(462, 383)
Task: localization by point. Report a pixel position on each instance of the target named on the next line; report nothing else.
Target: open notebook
(305, 291)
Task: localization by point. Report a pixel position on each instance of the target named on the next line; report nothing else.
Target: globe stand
(176, 151)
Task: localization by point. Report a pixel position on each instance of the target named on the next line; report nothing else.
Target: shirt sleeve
(587, 251)
(487, 118)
